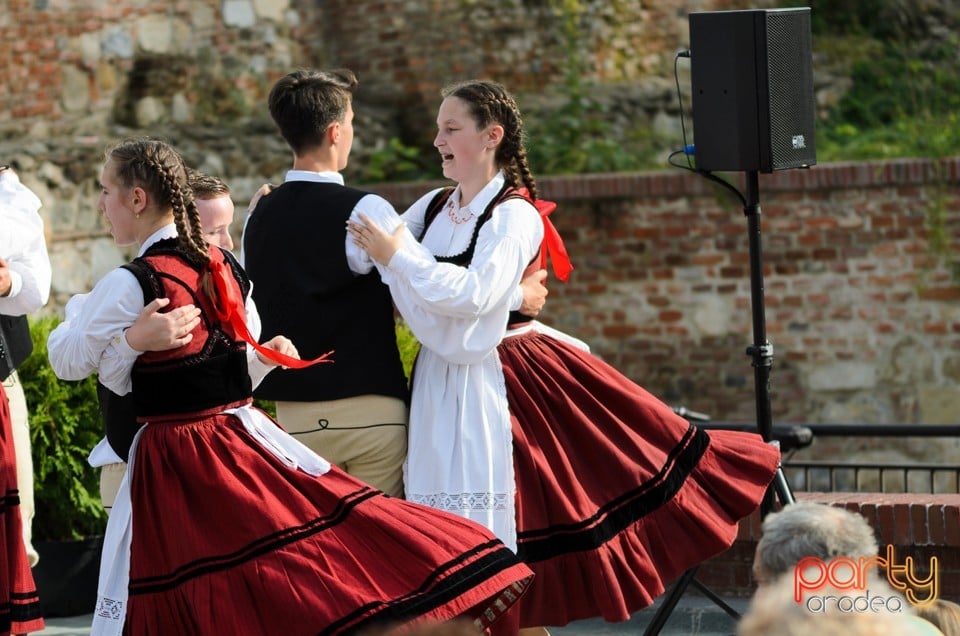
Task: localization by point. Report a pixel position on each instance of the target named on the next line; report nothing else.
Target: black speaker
(752, 79)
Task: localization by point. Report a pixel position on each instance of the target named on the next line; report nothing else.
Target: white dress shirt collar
(483, 198)
(167, 231)
(318, 177)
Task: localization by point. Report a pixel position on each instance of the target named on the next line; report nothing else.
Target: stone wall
(80, 67)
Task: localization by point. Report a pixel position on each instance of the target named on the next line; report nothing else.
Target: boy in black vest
(312, 284)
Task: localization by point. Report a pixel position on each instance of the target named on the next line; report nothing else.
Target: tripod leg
(783, 488)
(719, 602)
(669, 602)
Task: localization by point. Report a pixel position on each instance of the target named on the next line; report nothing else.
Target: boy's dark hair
(205, 186)
(305, 102)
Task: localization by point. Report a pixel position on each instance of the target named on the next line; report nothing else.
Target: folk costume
(225, 524)
(311, 287)
(601, 488)
(19, 602)
(24, 249)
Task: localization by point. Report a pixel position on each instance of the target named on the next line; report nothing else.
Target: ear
(333, 132)
(138, 200)
(494, 135)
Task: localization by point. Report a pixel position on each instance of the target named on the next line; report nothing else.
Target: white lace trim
(110, 609)
(455, 502)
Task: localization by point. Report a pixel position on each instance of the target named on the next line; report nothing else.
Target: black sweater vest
(294, 254)
(15, 343)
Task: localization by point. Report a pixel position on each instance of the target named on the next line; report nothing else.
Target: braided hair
(491, 103)
(158, 168)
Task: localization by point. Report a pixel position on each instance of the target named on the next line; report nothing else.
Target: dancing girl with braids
(223, 523)
(600, 487)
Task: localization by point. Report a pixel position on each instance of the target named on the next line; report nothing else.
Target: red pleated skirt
(19, 602)
(616, 494)
(227, 539)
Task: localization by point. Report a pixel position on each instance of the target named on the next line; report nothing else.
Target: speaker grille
(790, 84)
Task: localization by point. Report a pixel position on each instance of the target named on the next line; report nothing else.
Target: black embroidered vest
(205, 376)
(15, 343)
(464, 258)
(209, 372)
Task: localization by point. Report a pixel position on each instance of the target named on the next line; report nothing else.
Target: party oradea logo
(852, 578)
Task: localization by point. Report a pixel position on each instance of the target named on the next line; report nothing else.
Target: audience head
(774, 610)
(808, 529)
(944, 614)
(212, 197)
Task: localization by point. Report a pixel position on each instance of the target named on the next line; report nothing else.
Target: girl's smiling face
(467, 153)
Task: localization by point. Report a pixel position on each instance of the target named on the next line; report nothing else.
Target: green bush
(396, 161)
(65, 425)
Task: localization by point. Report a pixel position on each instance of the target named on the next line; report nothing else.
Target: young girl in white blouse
(601, 488)
(224, 523)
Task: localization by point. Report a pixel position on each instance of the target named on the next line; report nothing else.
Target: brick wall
(918, 526)
(864, 321)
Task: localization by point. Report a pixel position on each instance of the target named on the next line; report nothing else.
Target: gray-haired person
(807, 529)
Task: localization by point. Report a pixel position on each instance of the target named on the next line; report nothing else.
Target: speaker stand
(761, 352)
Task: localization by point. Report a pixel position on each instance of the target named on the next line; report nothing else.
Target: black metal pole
(761, 351)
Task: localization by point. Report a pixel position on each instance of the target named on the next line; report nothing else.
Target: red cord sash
(227, 304)
(552, 242)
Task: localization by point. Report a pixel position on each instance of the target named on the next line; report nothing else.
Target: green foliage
(902, 102)
(408, 345)
(267, 406)
(65, 425)
(576, 136)
(845, 16)
(397, 161)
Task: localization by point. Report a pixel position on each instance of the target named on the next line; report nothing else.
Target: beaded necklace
(455, 216)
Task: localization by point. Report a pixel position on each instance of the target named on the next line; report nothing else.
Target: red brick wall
(661, 286)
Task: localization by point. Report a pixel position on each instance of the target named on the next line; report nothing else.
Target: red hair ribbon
(227, 304)
(552, 243)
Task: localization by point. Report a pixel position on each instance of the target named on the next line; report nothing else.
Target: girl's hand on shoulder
(156, 331)
(369, 237)
(261, 192)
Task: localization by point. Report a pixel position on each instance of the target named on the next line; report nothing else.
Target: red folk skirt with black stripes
(19, 602)
(228, 539)
(616, 494)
